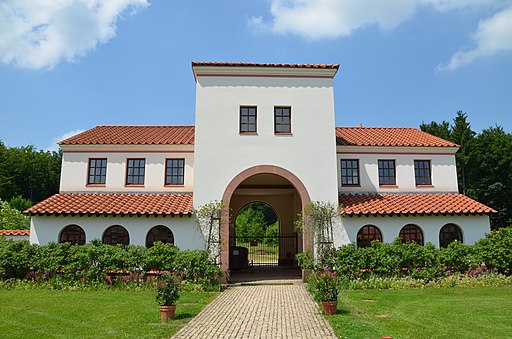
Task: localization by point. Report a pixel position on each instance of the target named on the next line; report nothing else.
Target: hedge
(490, 254)
(95, 261)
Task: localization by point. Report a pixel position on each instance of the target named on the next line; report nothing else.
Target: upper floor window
(387, 173)
(349, 172)
(282, 120)
(174, 171)
(248, 119)
(422, 172)
(97, 174)
(135, 170)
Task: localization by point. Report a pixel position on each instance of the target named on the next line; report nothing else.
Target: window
(349, 172)
(116, 235)
(387, 172)
(422, 172)
(448, 234)
(248, 119)
(174, 171)
(73, 234)
(367, 234)
(282, 120)
(411, 233)
(135, 171)
(97, 174)
(159, 233)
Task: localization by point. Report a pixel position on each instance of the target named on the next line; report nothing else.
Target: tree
(11, 218)
(484, 164)
(492, 182)
(441, 130)
(250, 222)
(462, 135)
(25, 171)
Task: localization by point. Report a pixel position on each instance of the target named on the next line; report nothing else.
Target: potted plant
(324, 287)
(167, 294)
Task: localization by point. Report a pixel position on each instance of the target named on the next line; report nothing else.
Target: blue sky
(68, 65)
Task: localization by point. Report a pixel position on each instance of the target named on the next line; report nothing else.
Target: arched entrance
(271, 185)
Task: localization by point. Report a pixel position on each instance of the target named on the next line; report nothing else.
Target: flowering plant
(167, 289)
(323, 285)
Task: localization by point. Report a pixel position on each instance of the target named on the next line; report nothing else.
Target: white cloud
(493, 35)
(317, 19)
(54, 144)
(42, 33)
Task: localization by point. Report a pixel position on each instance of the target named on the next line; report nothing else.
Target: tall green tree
(462, 135)
(441, 130)
(484, 164)
(492, 180)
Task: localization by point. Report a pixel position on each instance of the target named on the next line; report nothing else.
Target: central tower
(264, 132)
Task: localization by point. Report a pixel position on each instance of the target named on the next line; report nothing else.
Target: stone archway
(232, 187)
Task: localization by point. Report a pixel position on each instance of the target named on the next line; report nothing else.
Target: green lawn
(85, 314)
(483, 312)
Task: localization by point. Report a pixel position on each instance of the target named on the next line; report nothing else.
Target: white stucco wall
(221, 152)
(16, 237)
(473, 227)
(443, 172)
(75, 167)
(45, 229)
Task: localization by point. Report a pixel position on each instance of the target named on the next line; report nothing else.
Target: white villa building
(263, 133)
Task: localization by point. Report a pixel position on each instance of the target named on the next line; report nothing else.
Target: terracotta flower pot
(330, 307)
(167, 312)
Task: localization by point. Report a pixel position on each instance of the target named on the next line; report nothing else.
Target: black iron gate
(268, 251)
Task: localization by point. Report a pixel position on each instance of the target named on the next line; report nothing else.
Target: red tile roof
(134, 135)
(249, 64)
(387, 136)
(184, 135)
(410, 203)
(115, 203)
(14, 232)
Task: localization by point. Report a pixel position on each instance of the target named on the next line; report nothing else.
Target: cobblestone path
(260, 311)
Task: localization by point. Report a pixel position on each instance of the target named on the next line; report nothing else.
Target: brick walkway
(260, 311)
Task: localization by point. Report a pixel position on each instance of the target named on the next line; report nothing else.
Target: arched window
(73, 234)
(367, 234)
(448, 234)
(116, 235)
(159, 233)
(411, 233)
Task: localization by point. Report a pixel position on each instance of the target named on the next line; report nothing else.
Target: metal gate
(269, 251)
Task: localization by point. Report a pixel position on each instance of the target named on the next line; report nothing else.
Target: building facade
(263, 133)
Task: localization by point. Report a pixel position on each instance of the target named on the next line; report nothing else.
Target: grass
(482, 312)
(87, 314)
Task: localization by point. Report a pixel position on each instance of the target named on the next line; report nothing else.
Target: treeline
(28, 172)
(484, 164)
(27, 176)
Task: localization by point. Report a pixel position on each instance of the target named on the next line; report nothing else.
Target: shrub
(495, 250)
